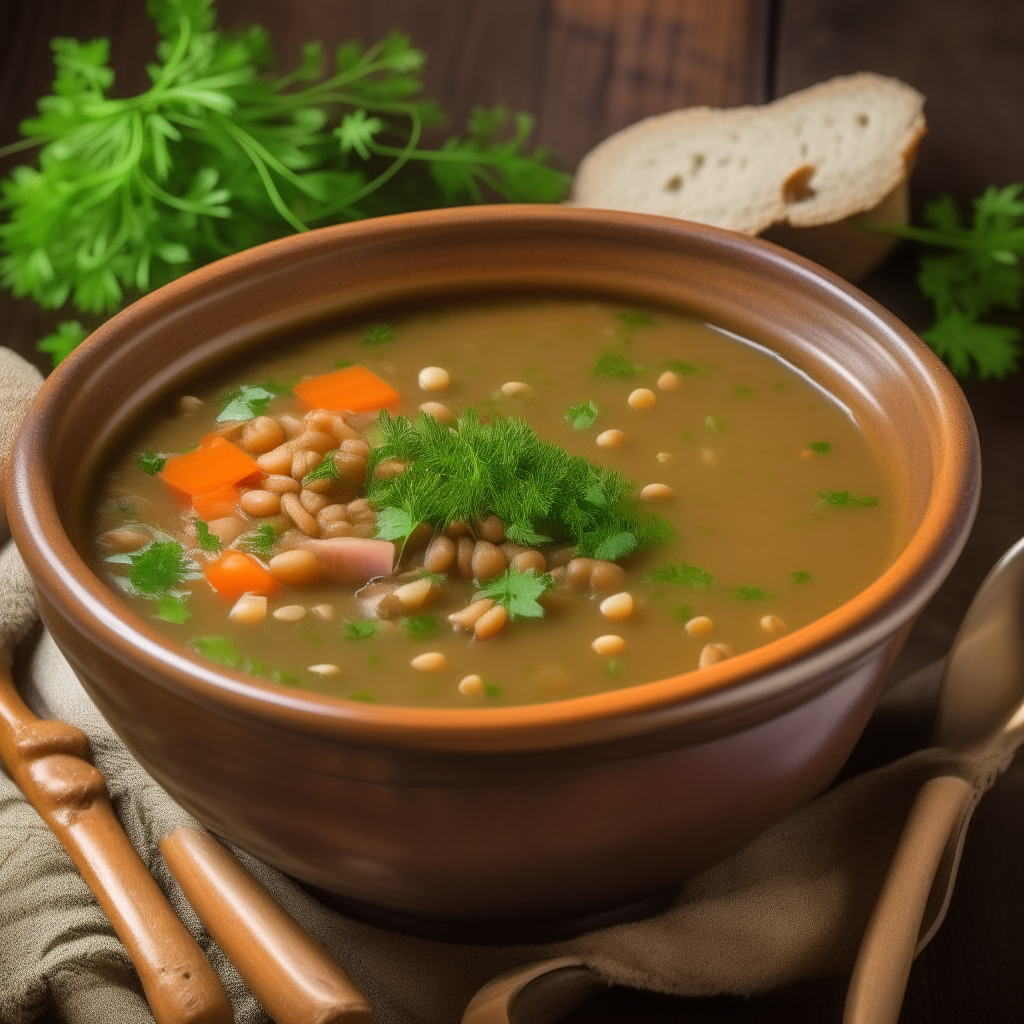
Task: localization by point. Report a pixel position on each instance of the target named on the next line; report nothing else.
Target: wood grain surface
(588, 67)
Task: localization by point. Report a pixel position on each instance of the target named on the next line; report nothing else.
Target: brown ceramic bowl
(513, 815)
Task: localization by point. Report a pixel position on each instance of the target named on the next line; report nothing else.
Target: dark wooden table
(588, 67)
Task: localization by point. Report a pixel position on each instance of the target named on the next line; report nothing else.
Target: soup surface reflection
(778, 509)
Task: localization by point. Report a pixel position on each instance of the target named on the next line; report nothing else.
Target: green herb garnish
(247, 401)
(278, 675)
(151, 462)
(261, 542)
(437, 578)
(683, 574)
(218, 155)
(682, 612)
(844, 499)
(422, 627)
(634, 318)
(751, 593)
(373, 659)
(683, 369)
(614, 364)
(327, 470)
(582, 416)
(492, 690)
(742, 391)
(60, 344)
(821, 447)
(362, 695)
(613, 667)
(220, 649)
(800, 576)
(207, 541)
(518, 592)
(713, 423)
(172, 609)
(378, 334)
(359, 629)
(968, 272)
(158, 567)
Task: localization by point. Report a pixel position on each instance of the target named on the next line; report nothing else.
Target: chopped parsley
(327, 470)
(614, 364)
(684, 574)
(582, 416)
(631, 319)
(713, 423)
(518, 592)
(800, 576)
(219, 649)
(158, 568)
(359, 629)
(821, 447)
(492, 690)
(247, 401)
(682, 612)
(151, 462)
(362, 695)
(422, 627)
(845, 499)
(261, 542)
(171, 608)
(613, 667)
(378, 334)
(751, 593)
(207, 541)
(683, 369)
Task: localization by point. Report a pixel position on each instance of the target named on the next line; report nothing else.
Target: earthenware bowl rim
(835, 638)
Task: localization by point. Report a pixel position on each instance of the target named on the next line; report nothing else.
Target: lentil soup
(703, 498)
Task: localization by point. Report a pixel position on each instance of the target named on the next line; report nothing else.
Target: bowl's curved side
(340, 793)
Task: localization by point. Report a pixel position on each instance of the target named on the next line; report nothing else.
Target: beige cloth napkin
(791, 906)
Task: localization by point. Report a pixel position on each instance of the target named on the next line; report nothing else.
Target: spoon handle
(291, 974)
(887, 949)
(48, 761)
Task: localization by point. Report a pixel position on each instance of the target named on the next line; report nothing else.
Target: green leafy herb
(613, 667)
(278, 675)
(821, 447)
(751, 593)
(378, 334)
(207, 541)
(968, 272)
(373, 659)
(473, 470)
(362, 695)
(217, 156)
(151, 462)
(684, 574)
(172, 609)
(359, 629)
(582, 416)
(261, 542)
(327, 470)
(246, 401)
(741, 391)
(683, 369)
(422, 627)
(682, 612)
(492, 690)
(60, 344)
(800, 576)
(844, 499)
(437, 578)
(518, 592)
(634, 318)
(713, 423)
(614, 364)
(220, 649)
(158, 567)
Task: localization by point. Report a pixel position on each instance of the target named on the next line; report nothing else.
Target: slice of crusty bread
(813, 157)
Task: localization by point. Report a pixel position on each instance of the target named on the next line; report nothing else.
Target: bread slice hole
(674, 184)
(797, 187)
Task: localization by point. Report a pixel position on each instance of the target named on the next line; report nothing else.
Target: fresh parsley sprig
(518, 592)
(968, 272)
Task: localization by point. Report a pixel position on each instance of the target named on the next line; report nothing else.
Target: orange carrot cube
(236, 573)
(209, 468)
(353, 389)
(217, 504)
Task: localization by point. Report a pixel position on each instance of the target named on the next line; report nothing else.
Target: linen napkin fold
(790, 906)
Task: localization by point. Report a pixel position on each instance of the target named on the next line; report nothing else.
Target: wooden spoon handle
(886, 952)
(558, 986)
(48, 761)
(291, 974)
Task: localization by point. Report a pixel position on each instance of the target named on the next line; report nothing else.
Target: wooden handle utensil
(48, 761)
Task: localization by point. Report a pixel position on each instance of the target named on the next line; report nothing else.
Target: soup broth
(776, 509)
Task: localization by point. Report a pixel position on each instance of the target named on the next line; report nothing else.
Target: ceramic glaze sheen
(505, 815)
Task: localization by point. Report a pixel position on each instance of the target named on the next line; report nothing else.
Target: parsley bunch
(219, 155)
(968, 272)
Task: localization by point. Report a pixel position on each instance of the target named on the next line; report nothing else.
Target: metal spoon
(982, 696)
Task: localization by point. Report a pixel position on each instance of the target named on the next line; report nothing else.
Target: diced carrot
(354, 389)
(209, 468)
(216, 504)
(235, 574)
